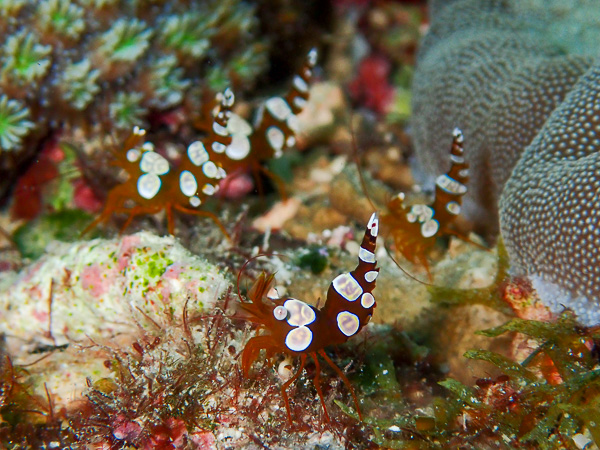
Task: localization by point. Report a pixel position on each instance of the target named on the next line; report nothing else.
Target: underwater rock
(103, 290)
(491, 68)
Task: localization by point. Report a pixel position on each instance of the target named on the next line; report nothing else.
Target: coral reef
(550, 207)
(549, 401)
(73, 63)
(192, 341)
(490, 67)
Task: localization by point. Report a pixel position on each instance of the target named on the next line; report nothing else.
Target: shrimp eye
(280, 313)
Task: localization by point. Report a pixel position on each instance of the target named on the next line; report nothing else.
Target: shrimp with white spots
(294, 327)
(154, 185)
(415, 229)
(277, 125)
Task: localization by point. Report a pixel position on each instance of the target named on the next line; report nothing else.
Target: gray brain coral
(525, 102)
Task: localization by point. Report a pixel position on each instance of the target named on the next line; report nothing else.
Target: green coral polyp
(25, 59)
(127, 110)
(80, 83)
(62, 17)
(14, 123)
(126, 40)
(10, 7)
(167, 83)
(188, 34)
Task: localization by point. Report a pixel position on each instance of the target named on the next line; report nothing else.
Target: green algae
(33, 237)
(315, 258)
(543, 402)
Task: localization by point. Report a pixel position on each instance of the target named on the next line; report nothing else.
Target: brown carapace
(296, 328)
(415, 229)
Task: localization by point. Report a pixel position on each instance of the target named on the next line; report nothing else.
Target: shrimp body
(296, 328)
(415, 228)
(153, 184)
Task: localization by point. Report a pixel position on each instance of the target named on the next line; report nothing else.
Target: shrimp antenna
(404, 271)
(356, 158)
(248, 261)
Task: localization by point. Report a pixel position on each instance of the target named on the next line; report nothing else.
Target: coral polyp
(25, 60)
(113, 62)
(14, 123)
(187, 34)
(61, 17)
(127, 109)
(125, 41)
(79, 83)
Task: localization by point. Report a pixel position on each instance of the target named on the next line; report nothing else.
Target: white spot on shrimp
(300, 314)
(298, 339)
(209, 189)
(197, 153)
(450, 185)
(429, 228)
(457, 134)
(422, 212)
(371, 276)
(278, 108)
(188, 183)
(138, 131)
(367, 300)
(148, 146)
(195, 201)
(453, 208)
(238, 125)
(294, 123)
(275, 137)
(457, 159)
(366, 256)
(133, 155)
(347, 287)
(312, 57)
(219, 129)
(373, 225)
(153, 163)
(239, 147)
(348, 323)
(148, 185)
(280, 312)
(228, 98)
(300, 84)
(210, 169)
(218, 147)
(300, 102)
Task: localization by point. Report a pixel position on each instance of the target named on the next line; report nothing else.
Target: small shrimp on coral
(154, 185)
(296, 328)
(277, 125)
(415, 229)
